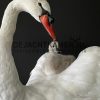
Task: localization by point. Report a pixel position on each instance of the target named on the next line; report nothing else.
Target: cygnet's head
(53, 47)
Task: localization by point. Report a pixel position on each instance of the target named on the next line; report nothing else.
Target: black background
(76, 24)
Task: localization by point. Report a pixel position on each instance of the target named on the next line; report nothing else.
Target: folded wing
(82, 77)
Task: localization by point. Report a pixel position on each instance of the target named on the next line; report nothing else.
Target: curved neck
(8, 73)
(8, 25)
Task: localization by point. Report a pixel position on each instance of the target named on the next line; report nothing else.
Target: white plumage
(55, 76)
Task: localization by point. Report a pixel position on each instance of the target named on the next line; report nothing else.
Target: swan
(64, 78)
(55, 76)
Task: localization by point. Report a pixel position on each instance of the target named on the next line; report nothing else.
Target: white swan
(53, 78)
(59, 79)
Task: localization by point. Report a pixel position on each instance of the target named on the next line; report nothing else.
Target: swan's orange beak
(48, 26)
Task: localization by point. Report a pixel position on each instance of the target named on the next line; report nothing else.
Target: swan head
(36, 8)
(40, 10)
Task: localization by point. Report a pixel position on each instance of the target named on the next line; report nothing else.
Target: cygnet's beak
(47, 21)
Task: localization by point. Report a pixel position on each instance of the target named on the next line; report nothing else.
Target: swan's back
(44, 76)
(50, 64)
(80, 81)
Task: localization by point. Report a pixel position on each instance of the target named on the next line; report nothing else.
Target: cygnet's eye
(55, 45)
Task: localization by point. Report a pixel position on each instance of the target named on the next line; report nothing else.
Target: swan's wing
(83, 75)
(50, 64)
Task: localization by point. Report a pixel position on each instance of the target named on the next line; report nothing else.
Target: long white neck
(9, 78)
(8, 25)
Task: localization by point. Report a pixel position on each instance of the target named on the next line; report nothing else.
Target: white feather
(55, 76)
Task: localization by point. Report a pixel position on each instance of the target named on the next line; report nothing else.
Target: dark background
(76, 24)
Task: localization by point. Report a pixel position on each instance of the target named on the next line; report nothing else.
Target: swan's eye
(40, 5)
(43, 10)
